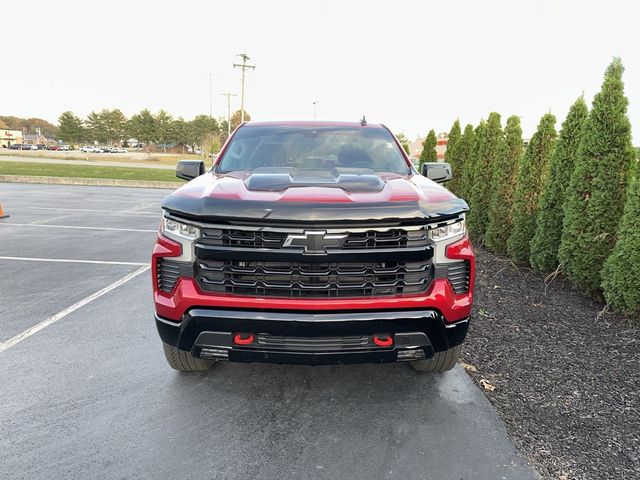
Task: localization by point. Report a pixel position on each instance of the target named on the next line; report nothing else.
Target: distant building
(35, 139)
(441, 146)
(9, 137)
(179, 148)
(415, 147)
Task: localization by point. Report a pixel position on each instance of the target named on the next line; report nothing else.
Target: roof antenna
(363, 121)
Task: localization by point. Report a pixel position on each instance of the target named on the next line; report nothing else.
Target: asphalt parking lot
(85, 391)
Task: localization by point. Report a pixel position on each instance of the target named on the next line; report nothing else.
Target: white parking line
(109, 229)
(113, 212)
(52, 219)
(63, 313)
(67, 260)
(143, 206)
(111, 200)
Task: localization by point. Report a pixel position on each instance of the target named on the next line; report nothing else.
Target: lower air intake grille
(169, 271)
(457, 273)
(313, 344)
(313, 280)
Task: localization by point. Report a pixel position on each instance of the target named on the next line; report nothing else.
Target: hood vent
(348, 179)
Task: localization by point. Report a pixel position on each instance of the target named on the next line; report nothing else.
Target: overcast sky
(413, 65)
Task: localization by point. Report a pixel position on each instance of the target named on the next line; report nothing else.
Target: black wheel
(184, 361)
(440, 362)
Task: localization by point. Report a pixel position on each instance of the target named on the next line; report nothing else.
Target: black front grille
(386, 239)
(370, 239)
(169, 271)
(313, 280)
(242, 238)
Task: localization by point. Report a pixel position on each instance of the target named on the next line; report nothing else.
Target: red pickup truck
(312, 243)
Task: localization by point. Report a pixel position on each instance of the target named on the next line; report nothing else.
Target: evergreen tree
(468, 171)
(532, 174)
(503, 184)
(70, 129)
(181, 132)
(481, 187)
(546, 241)
(203, 127)
(621, 272)
(429, 148)
(96, 127)
(457, 156)
(452, 139)
(142, 126)
(164, 128)
(596, 192)
(115, 124)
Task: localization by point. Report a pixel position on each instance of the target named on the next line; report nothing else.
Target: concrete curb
(103, 182)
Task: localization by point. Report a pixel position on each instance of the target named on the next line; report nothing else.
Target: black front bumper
(309, 338)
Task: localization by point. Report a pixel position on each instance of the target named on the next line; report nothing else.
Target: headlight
(447, 231)
(184, 230)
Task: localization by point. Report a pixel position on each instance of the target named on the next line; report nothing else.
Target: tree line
(28, 125)
(566, 202)
(112, 126)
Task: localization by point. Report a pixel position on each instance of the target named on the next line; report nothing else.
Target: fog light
(382, 340)
(243, 338)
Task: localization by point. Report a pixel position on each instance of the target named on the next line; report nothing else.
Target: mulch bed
(566, 375)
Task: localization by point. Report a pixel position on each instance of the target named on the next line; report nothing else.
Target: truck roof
(311, 123)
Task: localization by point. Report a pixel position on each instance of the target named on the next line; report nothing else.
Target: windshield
(313, 148)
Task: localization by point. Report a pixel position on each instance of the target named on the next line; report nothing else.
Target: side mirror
(189, 169)
(437, 171)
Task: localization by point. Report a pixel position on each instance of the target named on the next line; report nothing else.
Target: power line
(228, 95)
(244, 67)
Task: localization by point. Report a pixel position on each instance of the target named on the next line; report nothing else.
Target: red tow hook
(383, 340)
(244, 338)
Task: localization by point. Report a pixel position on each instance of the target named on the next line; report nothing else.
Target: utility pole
(315, 109)
(244, 67)
(228, 95)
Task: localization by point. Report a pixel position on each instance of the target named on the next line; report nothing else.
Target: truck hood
(344, 196)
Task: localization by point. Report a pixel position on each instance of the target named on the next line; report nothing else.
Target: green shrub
(503, 184)
(532, 173)
(475, 148)
(481, 187)
(621, 272)
(546, 241)
(429, 148)
(596, 193)
(452, 139)
(457, 158)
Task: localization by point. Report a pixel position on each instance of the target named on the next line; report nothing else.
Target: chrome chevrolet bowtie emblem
(314, 242)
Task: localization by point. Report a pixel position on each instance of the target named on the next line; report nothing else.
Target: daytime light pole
(244, 67)
(228, 95)
(315, 109)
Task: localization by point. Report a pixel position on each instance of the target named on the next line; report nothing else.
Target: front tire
(440, 362)
(184, 361)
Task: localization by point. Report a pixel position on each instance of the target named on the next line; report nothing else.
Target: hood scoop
(279, 179)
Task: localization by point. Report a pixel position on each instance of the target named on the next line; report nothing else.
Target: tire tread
(440, 362)
(184, 361)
